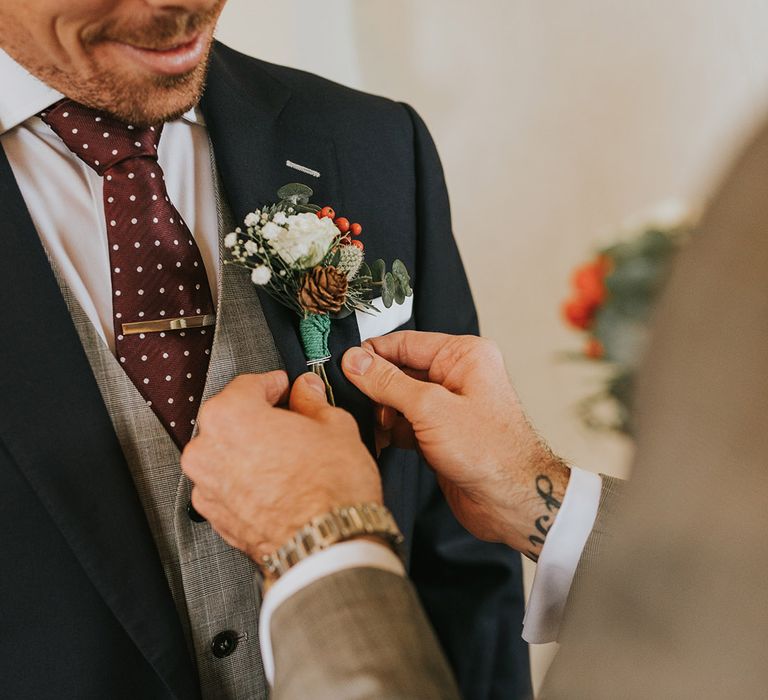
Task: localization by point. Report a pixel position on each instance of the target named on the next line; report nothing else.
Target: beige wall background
(556, 122)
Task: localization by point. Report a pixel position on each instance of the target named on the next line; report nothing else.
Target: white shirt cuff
(560, 557)
(346, 555)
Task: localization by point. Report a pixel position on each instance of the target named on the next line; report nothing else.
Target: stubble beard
(142, 103)
(123, 91)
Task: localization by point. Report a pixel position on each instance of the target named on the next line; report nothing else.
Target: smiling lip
(174, 60)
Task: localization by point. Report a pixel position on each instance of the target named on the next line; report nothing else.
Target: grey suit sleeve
(358, 634)
(610, 503)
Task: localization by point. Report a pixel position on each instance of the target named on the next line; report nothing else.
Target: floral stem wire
(319, 370)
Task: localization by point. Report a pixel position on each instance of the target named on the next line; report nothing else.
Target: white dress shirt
(64, 198)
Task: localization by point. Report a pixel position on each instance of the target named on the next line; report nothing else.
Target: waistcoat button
(194, 516)
(224, 643)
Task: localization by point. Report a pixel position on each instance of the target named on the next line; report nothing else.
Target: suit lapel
(256, 125)
(54, 424)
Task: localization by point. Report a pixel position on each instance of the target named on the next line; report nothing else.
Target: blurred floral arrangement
(611, 303)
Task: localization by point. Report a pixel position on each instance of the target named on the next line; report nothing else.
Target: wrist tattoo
(545, 492)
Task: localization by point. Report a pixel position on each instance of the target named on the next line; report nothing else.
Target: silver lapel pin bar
(302, 168)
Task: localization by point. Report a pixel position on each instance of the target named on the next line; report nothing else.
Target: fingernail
(385, 417)
(357, 361)
(314, 382)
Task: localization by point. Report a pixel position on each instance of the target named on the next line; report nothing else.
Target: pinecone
(323, 290)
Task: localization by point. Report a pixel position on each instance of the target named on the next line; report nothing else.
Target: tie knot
(99, 139)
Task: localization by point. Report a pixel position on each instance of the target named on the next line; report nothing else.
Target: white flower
(261, 275)
(271, 230)
(252, 220)
(305, 242)
(251, 247)
(230, 240)
(280, 218)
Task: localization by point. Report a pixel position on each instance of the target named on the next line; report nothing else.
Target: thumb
(385, 384)
(308, 396)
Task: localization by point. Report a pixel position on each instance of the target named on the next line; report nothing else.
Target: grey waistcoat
(213, 585)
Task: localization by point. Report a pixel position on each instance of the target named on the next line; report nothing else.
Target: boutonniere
(313, 262)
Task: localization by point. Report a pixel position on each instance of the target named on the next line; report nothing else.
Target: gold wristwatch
(340, 525)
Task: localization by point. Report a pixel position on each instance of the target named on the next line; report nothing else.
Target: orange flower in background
(590, 293)
(589, 282)
(579, 313)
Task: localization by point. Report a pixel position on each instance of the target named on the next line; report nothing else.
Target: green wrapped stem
(315, 330)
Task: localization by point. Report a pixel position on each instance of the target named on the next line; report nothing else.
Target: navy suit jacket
(85, 609)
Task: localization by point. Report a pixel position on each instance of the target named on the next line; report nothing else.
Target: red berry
(356, 229)
(358, 244)
(327, 213)
(342, 224)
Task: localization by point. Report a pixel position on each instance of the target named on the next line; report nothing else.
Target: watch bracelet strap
(339, 525)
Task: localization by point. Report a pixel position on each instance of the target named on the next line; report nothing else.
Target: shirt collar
(23, 96)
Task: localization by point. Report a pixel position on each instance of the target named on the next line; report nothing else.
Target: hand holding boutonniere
(313, 262)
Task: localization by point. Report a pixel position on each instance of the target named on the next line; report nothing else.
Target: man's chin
(136, 96)
(144, 102)
(169, 100)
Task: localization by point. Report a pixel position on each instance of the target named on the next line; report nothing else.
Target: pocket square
(375, 324)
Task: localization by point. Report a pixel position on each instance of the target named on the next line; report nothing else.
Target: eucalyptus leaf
(364, 272)
(378, 270)
(296, 192)
(400, 271)
(388, 290)
(399, 293)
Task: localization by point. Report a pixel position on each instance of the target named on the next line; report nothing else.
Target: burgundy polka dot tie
(161, 300)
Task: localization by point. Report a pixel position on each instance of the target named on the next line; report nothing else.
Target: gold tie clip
(169, 324)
